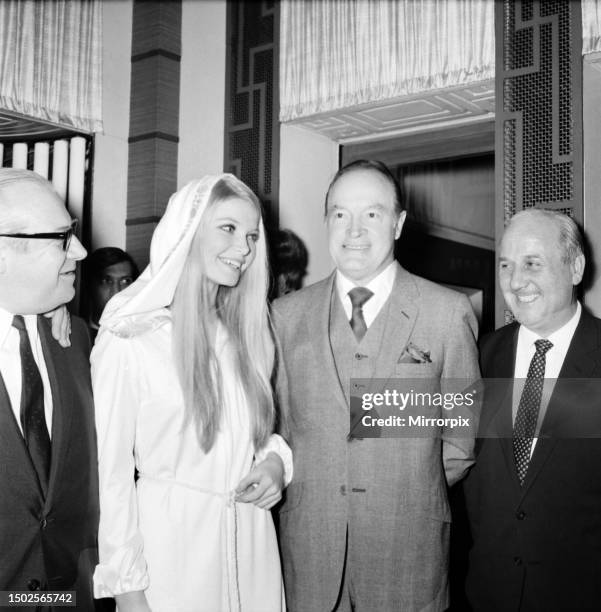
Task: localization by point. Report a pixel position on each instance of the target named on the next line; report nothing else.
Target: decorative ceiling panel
(473, 101)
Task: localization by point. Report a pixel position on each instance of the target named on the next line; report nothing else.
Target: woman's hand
(135, 601)
(264, 483)
(61, 325)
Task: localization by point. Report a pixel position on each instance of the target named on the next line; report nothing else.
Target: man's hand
(61, 325)
(264, 483)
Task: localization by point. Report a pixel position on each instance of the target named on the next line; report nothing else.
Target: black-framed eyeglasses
(65, 235)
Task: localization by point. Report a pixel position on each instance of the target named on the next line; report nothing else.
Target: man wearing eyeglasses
(48, 480)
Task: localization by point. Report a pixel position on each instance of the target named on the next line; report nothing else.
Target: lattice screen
(538, 108)
(252, 106)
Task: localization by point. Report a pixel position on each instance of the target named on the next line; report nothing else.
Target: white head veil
(142, 305)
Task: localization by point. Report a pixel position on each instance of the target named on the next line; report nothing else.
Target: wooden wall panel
(154, 119)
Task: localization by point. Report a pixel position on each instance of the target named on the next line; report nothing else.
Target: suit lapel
(318, 329)
(499, 418)
(56, 366)
(12, 441)
(504, 359)
(582, 360)
(402, 311)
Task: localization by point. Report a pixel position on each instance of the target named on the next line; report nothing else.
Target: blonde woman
(181, 374)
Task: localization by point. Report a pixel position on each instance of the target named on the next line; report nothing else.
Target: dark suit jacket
(538, 547)
(51, 542)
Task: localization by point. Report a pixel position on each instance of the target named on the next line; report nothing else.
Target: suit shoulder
(79, 330)
(491, 341)
(78, 325)
(435, 293)
(299, 299)
(588, 318)
(79, 337)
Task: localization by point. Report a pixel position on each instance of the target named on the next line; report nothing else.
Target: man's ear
(578, 269)
(399, 224)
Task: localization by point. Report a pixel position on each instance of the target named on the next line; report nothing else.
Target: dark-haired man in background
(365, 524)
(108, 270)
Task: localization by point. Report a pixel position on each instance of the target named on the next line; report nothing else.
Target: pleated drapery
(51, 61)
(591, 26)
(336, 54)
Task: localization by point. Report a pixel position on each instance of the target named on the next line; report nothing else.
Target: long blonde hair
(243, 311)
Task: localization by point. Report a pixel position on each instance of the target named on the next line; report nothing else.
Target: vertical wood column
(154, 119)
(538, 111)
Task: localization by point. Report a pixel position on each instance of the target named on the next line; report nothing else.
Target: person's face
(536, 283)
(39, 275)
(228, 241)
(113, 279)
(362, 224)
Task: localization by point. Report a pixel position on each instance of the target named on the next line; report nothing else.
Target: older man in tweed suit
(365, 525)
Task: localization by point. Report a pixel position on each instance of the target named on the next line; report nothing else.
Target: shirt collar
(6, 324)
(560, 337)
(380, 286)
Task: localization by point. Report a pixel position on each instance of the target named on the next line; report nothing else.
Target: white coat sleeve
(116, 383)
(276, 444)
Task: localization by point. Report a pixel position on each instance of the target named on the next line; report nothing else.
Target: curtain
(51, 60)
(338, 54)
(591, 26)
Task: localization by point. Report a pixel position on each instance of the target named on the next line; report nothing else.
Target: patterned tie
(359, 295)
(527, 415)
(33, 419)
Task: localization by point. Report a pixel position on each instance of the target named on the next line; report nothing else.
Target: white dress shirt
(554, 359)
(10, 363)
(381, 286)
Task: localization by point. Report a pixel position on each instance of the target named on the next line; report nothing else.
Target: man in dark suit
(48, 472)
(365, 525)
(534, 495)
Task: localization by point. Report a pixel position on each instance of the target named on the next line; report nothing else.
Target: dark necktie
(527, 415)
(33, 419)
(359, 295)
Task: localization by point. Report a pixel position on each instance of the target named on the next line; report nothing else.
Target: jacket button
(520, 515)
(43, 523)
(343, 490)
(33, 585)
(517, 560)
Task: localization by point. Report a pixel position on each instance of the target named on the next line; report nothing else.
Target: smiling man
(534, 498)
(365, 524)
(48, 473)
